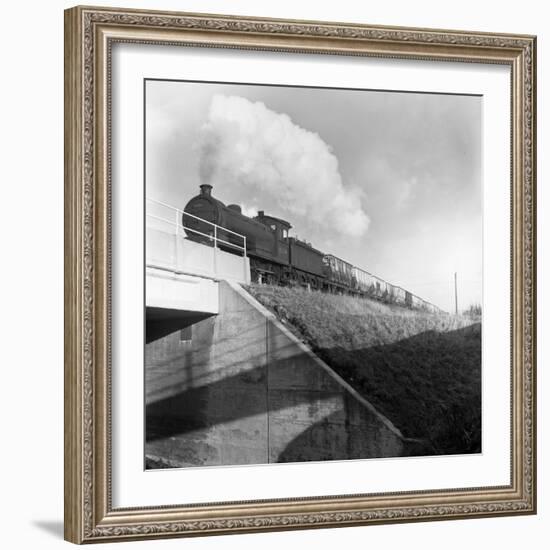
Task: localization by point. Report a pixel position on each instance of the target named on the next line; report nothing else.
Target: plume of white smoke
(253, 154)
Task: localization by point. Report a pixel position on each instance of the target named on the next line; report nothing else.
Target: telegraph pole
(456, 298)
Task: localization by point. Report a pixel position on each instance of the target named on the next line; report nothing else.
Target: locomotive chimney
(206, 189)
(260, 213)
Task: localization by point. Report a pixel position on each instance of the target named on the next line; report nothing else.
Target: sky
(389, 181)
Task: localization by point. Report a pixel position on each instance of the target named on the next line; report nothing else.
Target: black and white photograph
(313, 274)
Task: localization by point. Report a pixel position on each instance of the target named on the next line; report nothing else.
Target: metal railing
(213, 234)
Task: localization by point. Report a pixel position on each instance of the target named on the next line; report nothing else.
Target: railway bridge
(182, 276)
(226, 382)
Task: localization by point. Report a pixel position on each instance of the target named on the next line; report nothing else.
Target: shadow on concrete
(174, 367)
(161, 322)
(300, 449)
(236, 397)
(52, 527)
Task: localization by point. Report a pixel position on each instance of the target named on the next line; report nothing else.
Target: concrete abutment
(239, 388)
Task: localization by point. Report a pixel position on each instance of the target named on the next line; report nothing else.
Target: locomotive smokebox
(206, 189)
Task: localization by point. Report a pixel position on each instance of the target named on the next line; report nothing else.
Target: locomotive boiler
(266, 237)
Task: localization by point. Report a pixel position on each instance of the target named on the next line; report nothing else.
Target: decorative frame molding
(89, 34)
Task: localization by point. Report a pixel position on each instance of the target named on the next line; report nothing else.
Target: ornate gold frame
(89, 34)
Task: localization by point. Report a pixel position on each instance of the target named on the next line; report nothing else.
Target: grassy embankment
(421, 370)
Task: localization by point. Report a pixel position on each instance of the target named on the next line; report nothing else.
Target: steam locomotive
(277, 258)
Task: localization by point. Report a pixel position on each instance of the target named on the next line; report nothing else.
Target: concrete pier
(239, 388)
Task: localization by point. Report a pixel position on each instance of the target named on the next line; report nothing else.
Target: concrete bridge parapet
(172, 251)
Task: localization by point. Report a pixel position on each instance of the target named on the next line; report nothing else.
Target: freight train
(277, 258)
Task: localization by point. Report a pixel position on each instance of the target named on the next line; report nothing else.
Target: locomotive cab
(277, 225)
(279, 229)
